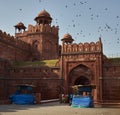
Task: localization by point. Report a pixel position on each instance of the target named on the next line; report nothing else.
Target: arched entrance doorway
(82, 81)
(80, 75)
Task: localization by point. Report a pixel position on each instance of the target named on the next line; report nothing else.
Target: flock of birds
(102, 28)
(93, 16)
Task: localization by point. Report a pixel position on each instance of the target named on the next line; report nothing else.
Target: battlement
(82, 47)
(6, 37)
(43, 29)
(11, 40)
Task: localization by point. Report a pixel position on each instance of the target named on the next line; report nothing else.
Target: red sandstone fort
(82, 63)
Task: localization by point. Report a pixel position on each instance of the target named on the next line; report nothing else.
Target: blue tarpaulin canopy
(20, 98)
(82, 101)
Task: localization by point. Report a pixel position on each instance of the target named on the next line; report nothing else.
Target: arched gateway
(80, 75)
(82, 64)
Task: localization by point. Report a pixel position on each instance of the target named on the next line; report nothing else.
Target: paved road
(54, 109)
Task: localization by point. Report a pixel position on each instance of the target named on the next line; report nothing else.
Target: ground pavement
(55, 108)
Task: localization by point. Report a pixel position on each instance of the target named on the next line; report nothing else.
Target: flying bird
(106, 8)
(39, 0)
(108, 26)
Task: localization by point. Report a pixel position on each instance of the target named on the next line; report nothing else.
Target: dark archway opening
(82, 81)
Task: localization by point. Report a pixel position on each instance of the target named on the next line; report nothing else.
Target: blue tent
(20, 98)
(86, 100)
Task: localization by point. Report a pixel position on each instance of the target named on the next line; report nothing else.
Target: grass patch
(115, 59)
(35, 63)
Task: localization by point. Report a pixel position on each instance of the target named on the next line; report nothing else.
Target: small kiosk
(82, 96)
(23, 95)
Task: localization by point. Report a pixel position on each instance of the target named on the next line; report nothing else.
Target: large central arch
(80, 75)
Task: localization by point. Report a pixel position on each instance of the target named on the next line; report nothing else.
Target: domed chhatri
(20, 26)
(67, 38)
(43, 18)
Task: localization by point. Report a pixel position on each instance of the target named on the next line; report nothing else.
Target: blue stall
(83, 97)
(23, 95)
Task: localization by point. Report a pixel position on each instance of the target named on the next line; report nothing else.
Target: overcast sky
(85, 20)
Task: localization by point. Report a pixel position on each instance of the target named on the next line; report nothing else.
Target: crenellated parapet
(6, 37)
(82, 47)
(14, 42)
(43, 29)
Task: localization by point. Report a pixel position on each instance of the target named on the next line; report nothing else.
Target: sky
(84, 20)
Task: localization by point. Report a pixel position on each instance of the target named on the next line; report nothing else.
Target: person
(63, 98)
(70, 96)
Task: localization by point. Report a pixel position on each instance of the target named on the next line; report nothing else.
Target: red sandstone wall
(4, 64)
(13, 49)
(43, 39)
(1, 80)
(111, 83)
(45, 46)
(46, 82)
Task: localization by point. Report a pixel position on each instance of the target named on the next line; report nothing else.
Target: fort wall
(42, 39)
(11, 40)
(12, 48)
(111, 81)
(45, 79)
(4, 64)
